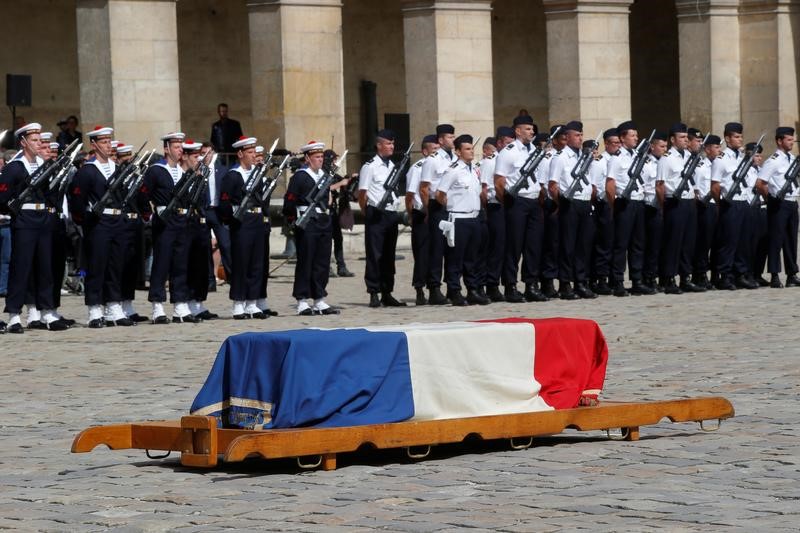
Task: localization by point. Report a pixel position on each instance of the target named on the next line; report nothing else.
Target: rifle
(393, 180)
(687, 174)
(530, 165)
(41, 178)
(790, 179)
(115, 183)
(319, 193)
(60, 183)
(253, 181)
(740, 174)
(182, 192)
(635, 170)
(272, 181)
(201, 185)
(135, 182)
(578, 172)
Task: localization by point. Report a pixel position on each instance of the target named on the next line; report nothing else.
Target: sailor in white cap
(314, 242)
(247, 233)
(170, 236)
(124, 153)
(114, 146)
(31, 257)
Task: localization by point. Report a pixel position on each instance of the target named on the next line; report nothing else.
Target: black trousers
(628, 239)
(496, 247)
(338, 241)
(653, 236)
(483, 248)
(247, 253)
(706, 228)
(576, 234)
(680, 233)
(312, 269)
(603, 240)
(782, 220)
(524, 229)
(170, 248)
(760, 239)
(58, 263)
(420, 247)
(436, 243)
(133, 252)
(199, 247)
(550, 236)
(105, 241)
(734, 238)
(462, 259)
(380, 240)
(222, 233)
(265, 277)
(31, 257)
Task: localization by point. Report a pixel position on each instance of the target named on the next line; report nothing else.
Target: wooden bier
(200, 442)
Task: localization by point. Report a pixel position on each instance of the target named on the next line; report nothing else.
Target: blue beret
(714, 139)
(553, 129)
(626, 126)
(660, 136)
(386, 134)
(430, 139)
(694, 133)
(678, 127)
(490, 140)
(783, 131)
(573, 125)
(610, 132)
(441, 129)
(523, 119)
(505, 131)
(461, 139)
(733, 127)
(752, 146)
(541, 138)
(589, 144)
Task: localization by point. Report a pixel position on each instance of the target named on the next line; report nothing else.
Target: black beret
(625, 126)
(782, 131)
(660, 136)
(589, 144)
(386, 134)
(535, 128)
(714, 139)
(490, 140)
(441, 129)
(610, 132)
(678, 127)
(749, 147)
(694, 133)
(430, 139)
(281, 152)
(573, 125)
(733, 127)
(541, 138)
(553, 129)
(523, 119)
(505, 131)
(461, 139)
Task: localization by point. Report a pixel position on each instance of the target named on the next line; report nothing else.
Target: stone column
(710, 79)
(770, 43)
(448, 57)
(296, 72)
(128, 67)
(588, 62)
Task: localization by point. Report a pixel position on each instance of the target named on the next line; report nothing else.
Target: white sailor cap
(124, 148)
(312, 146)
(259, 149)
(33, 127)
(190, 145)
(115, 144)
(174, 136)
(101, 131)
(54, 146)
(244, 142)
(46, 136)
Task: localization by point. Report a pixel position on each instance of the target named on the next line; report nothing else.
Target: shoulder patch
(548, 155)
(371, 159)
(558, 152)
(775, 155)
(419, 163)
(510, 146)
(454, 165)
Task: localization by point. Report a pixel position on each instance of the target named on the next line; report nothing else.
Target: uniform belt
(177, 210)
(303, 208)
(463, 214)
(132, 216)
(111, 211)
(38, 207)
(252, 210)
(389, 206)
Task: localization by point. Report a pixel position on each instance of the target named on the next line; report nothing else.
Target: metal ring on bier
(151, 456)
(709, 430)
(522, 446)
(412, 455)
(309, 466)
(624, 432)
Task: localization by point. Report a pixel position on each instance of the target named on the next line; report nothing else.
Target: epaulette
(510, 146)
(701, 163)
(548, 155)
(419, 163)
(371, 159)
(558, 152)
(721, 155)
(454, 165)
(775, 155)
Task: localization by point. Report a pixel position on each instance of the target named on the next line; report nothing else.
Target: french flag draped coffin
(349, 377)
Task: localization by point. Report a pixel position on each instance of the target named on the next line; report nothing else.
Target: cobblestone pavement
(743, 345)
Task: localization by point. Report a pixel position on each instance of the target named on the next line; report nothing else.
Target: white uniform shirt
(462, 185)
(106, 169)
(542, 172)
(670, 167)
(372, 177)
(30, 166)
(702, 178)
(433, 168)
(561, 172)
(618, 171)
(750, 182)
(598, 172)
(649, 174)
(412, 183)
(487, 166)
(722, 170)
(773, 171)
(510, 160)
(175, 172)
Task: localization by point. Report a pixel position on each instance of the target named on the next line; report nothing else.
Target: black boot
(421, 300)
(638, 288)
(533, 294)
(390, 301)
(775, 283)
(475, 298)
(618, 289)
(457, 299)
(792, 281)
(688, 286)
(584, 292)
(602, 288)
(670, 287)
(374, 300)
(549, 288)
(494, 294)
(512, 295)
(565, 291)
(436, 297)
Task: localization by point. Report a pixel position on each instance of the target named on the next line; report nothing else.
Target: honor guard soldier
(103, 232)
(314, 242)
(549, 261)
(782, 218)
(604, 223)
(432, 170)
(459, 191)
(733, 262)
(757, 220)
(420, 242)
(575, 222)
(495, 218)
(653, 213)
(680, 214)
(170, 233)
(524, 217)
(706, 213)
(380, 232)
(488, 158)
(628, 215)
(247, 231)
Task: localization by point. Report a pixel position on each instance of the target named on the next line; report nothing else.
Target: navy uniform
(707, 214)
(575, 222)
(495, 219)
(432, 170)
(550, 235)
(380, 227)
(170, 237)
(31, 232)
(653, 213)
(247, 234)
(604, 223)
(459, 192)
(312, 269)
(629, 234)
(782, 217)
(524, 215)
(420, 241)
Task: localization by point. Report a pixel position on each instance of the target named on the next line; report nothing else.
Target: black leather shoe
(268, 312)
(161, 320)
(243, 316)
(15, 328)
(743, 282)
(476, 298)
(670, 287)
(37, 324)
(602, 288)
(97, 323)
(344, 273)
(775, 282)
(512, 295)
(565, 291)
(258, 315)
(584, 292)
(436, 297)
(640, 289)
(457, 299)
(701, 280)
(374, 299)
(207, 315)
(421, 300)
(688, 286)
(494, 294)
(618, 290)
(124, 322)
(188, 318)
(67, 321)
(533, 294)
(726, 284)
(136, 317)
(762, 282)
(387, 300)
(549, 288)
(56, 325)
(3, 327)
(793, 281)
(305, 312)
(329, 311)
